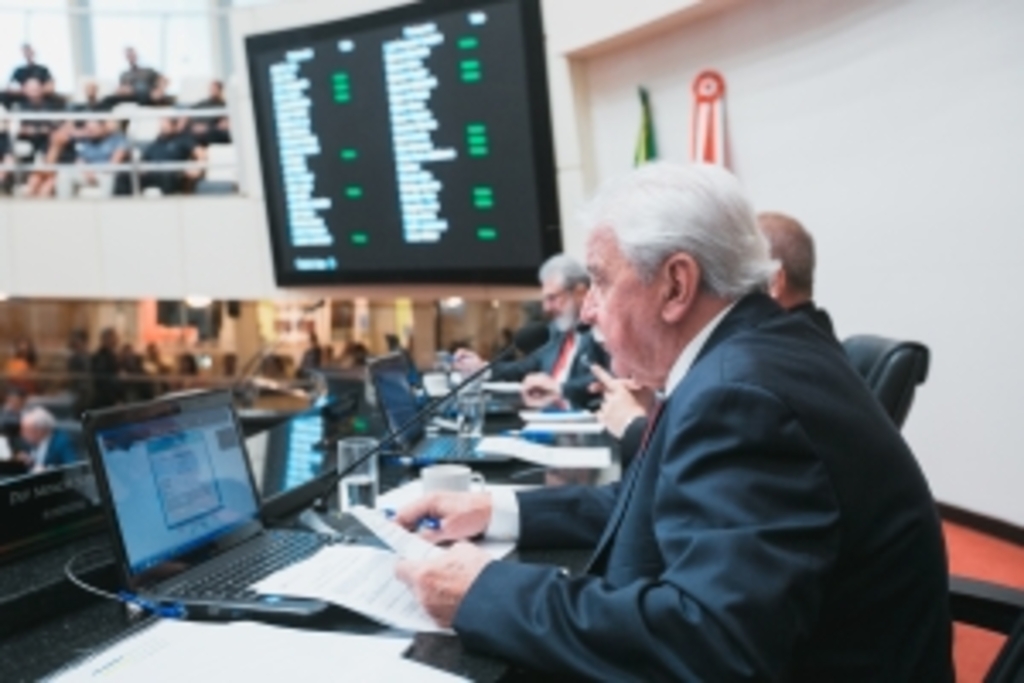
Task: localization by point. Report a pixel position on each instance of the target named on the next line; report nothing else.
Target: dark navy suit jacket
(576, 387)
(60, 451)
(775, 527)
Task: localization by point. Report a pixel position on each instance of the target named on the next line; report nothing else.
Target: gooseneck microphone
(527, 340)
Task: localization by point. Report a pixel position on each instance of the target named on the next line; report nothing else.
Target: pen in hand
(427, 522)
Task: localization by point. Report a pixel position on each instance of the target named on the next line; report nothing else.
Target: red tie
(563, 354)
(652, 420)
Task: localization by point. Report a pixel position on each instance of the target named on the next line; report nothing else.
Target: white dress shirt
(504, 524)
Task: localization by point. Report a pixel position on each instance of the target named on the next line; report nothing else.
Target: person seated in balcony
(214, 129)
(101, 142)
(6, 159)
(174, 143)
(42, 446)
(137, 82)
(30, 70)
(60, 149)
(158, 96)
(92, 102)
(36, 132)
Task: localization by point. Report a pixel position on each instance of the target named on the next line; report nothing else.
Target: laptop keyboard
(231, 577)
(447, 448)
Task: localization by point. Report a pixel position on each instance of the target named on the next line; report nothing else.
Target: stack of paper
(570, 457)
(557, 416)
(241, 651)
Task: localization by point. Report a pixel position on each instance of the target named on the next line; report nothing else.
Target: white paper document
(563, 428)
(557, 416)
(503, 387)
(578, 457)
(242, 651)
(360, 578)
(404, 543)
(396, 498)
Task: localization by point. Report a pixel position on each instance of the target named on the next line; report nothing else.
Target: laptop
(184, 513)
(397, 403)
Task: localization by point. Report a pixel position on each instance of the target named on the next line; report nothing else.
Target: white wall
(893, 130)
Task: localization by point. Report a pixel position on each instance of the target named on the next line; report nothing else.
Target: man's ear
(680, 280)
(778, 284)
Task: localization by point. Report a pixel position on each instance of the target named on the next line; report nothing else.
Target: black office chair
(891, 368)
(993, 608)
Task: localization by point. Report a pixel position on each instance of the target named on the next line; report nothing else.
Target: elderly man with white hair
(43, 446)
(773, 526)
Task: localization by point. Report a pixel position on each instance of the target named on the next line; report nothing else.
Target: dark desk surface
(282, 461)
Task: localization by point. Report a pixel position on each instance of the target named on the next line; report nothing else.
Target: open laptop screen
(391, 381)
(176, 482)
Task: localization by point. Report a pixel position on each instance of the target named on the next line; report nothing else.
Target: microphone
(527, 340)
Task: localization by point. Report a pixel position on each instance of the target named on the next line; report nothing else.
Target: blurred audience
(36, 132)
(101, 142)
(19, 367)
(132, 375)
(188, 373)
(137, 82)
(106, 369)
(312, 357)
(211, 130)
(78, 367)
(10, 416)
(30, 70)
(92, 101)
(41, 446)
(6, 158)
(158, 96)
(60, 150)
(173, 143)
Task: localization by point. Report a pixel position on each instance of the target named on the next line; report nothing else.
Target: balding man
(793, 283)
(44, 447)
(775, 525)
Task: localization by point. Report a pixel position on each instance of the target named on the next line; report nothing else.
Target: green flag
(646, 146)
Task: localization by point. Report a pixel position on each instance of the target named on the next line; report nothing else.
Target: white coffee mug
(450, 478)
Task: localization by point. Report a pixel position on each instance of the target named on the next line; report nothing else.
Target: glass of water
(358, 487)
(471, 404)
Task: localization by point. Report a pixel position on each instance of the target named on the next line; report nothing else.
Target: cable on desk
(168, 611)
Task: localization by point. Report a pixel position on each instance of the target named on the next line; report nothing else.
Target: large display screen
(411, 145)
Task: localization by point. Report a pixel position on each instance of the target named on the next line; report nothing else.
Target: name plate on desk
(40, 510)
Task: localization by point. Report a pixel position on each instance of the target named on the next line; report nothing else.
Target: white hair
(661, 209)
(569, 270)
(40, 418)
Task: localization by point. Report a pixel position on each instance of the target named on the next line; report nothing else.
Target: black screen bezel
(540, 121)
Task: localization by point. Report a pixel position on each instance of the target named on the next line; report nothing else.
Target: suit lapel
(748, 312)
(625, 494)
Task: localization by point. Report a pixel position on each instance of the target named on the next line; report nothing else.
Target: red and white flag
(707, 136)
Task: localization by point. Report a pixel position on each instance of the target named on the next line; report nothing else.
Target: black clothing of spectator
(27, 71)
(140, 81)
(37, 132)
(175, 146)
(107, 389)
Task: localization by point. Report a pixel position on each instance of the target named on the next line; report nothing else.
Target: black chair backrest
(891, 368)
(1009, 664)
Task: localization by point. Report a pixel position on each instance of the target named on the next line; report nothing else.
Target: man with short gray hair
(45, 447)
(773, 526)
(561, 370)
